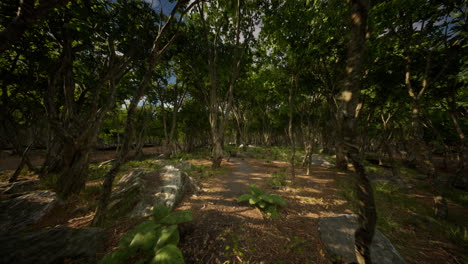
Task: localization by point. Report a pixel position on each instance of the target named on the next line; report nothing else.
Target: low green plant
(96, 172)
(279, 178)
(153, 241)
(458, 235)
(265, 201)
(374, 169)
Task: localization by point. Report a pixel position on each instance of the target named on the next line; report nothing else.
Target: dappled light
(233, 132)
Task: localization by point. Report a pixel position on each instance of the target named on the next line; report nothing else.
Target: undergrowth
(262, 200)
(398, 211)
(153, 241)
(279, 178)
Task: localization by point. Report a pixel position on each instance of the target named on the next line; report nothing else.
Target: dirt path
(224, 231)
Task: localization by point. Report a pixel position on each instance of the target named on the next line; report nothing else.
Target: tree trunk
(458, 180)
(24, 157)
(74, 173)
(349, 112)
(217, 152)
(290, 126)
(423, 153)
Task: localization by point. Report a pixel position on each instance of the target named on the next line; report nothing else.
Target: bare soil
(224, 231)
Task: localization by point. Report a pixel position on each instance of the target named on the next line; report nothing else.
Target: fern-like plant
(153, 241)
(265, 201)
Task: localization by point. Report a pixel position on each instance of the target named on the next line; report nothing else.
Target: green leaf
(272, 212)
(168, 235)
(148, 226)
(169, 254)
(262, 204)
(160, 211)
(116, 257)
(277, 200)
(244, 197)
(176, 218)
(144, 240)
(253, 200)
(255, 190)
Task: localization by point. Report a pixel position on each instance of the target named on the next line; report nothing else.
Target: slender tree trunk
(350, 107)
(101, 208)
(423, 153)
(24, 157)
(458, 181)
(290, 126)
(153, 58)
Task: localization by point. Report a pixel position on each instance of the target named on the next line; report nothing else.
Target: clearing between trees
(224, 230)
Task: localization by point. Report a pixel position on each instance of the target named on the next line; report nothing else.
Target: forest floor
(225, 231)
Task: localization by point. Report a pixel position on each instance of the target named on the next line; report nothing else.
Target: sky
(164, 4)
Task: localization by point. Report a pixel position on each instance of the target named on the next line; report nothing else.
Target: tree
(159, 45)
(349, 112)
(222, 26)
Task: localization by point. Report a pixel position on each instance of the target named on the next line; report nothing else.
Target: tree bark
(458, 181)
(291, 133)
(349, 113)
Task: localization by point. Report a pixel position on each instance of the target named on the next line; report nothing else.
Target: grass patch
(410, 172)
(96, 172)
(397, 211)
(455, 195)
(279, 153)
(181, 156)
(374, 169)
(148, 164)
(279, 178)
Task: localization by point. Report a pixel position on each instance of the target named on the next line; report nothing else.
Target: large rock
(175, 183)
(52, 246)
(130, 190)
(139, 191)
(321, 161)
(25, 211)
(337, 234)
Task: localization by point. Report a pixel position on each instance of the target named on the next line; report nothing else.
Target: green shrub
(153, 241)
(265, 201)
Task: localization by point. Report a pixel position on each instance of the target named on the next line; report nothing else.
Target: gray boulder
(319, 160)
(337, 234)
(139, 191)
(175, 183)
(52, 246)
(25, 211)
(130, 190)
